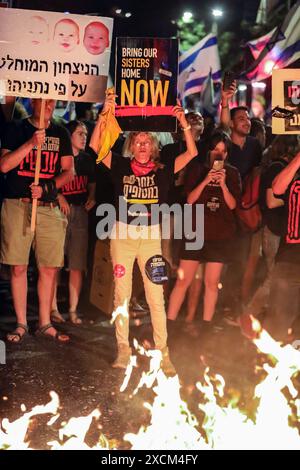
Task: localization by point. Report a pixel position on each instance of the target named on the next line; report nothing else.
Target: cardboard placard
(286, 95)
(54, 55)
(146, 83)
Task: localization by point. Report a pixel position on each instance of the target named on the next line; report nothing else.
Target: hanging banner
(286, 101)
(54, 55)
(146, 83)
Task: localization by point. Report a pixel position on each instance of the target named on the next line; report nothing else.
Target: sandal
(74, 318)
(19, 337)
(41, 332)
(56, 317)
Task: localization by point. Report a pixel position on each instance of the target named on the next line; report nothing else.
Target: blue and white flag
(196, 64)
(277, 49)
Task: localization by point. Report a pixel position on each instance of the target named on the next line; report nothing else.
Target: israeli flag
(196, 64)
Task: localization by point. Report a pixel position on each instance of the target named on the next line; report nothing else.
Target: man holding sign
(18, 160)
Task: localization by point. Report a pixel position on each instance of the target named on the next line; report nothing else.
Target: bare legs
(46, 284)
(187, 271)
(211, 278)
(19, 294)
(75, 285)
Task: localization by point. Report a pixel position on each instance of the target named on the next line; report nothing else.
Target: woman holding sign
(140, 183)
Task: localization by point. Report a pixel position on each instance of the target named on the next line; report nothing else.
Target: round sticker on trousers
(156, 269)
(119, 270)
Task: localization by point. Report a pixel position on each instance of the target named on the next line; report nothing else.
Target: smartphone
(218, 165)
(228, 80)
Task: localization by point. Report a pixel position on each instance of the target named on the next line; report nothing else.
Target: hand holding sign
(110, 102)
(38, 138)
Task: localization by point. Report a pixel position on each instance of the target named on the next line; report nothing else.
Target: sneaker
(123, 358)
(166, 364)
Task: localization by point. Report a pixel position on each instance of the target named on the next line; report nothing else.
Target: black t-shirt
(56, 146)
(76, 191)
(168, 155)
(274, 219)
(246, 158)
(289, 249)
(2, 126)
(148, 190)
(219, 220)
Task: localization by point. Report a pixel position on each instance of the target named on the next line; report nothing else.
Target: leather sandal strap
(15, 333)
(22, 325)
(44, 328)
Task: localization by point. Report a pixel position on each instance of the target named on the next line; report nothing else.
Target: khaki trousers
(139, 243)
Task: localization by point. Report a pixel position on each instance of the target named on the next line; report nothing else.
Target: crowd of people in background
(199, 166)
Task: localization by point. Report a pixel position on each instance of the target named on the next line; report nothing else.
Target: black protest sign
(286, 101)
(146, 83)
(292, 101)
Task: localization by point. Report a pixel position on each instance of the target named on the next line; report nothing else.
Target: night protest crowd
(208, 163)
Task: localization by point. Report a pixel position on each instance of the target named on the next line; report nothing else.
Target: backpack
(248, 211)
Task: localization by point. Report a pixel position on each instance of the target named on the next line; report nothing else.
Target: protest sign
(146, 83)
(286, 101)
(54, 55)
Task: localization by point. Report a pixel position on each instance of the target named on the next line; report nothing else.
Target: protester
(144, 181)
(285, 280)
(177, 195)
(18, 158)
(284, 148)
(76, 200)
(219, 191)
(245, 154)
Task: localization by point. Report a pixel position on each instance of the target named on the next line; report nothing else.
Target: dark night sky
(152, 17)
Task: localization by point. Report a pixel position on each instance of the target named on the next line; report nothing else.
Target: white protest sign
(54, 55)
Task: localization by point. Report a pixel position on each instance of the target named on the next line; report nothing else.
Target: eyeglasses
(139, 144)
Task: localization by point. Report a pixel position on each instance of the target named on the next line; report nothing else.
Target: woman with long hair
(217, 186)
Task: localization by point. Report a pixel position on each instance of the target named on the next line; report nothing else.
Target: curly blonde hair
(127, 147)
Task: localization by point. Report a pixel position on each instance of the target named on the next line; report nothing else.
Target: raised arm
(109, 105)
(191, 150)
(95, 141)
(225, 111)
(285, 177)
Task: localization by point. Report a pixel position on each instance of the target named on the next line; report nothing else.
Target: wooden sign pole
(37, 167)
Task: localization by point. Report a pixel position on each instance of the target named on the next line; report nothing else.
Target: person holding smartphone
(217, 186)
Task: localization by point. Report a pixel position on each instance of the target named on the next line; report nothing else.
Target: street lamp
(216, 13)
(187, 17)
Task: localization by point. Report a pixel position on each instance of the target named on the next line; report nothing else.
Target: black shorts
(213, 251)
